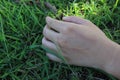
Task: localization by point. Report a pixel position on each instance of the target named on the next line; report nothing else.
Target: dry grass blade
(51, 7)
(54, 10)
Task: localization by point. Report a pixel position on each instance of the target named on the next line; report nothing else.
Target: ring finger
(48, 44)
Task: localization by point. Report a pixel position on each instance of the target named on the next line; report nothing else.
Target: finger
(57, 25)
(50, 34)
(54, 58)
(49, 45)
(75, 19)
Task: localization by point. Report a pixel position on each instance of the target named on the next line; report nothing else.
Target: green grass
(21, 25)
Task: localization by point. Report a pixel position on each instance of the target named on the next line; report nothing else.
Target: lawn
(21, 25)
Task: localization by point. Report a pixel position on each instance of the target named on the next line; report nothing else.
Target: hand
(80, 41)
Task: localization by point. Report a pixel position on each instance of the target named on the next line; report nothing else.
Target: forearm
(113, 66)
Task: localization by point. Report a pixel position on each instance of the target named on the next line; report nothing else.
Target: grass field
(21, 25)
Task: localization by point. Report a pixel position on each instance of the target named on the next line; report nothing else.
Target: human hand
(80, 41)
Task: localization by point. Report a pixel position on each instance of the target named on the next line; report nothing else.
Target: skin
(82, 43)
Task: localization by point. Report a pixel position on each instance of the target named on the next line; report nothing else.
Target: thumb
(77, 20)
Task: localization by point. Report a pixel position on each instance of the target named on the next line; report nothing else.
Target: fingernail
(64, 18)
(48, 19)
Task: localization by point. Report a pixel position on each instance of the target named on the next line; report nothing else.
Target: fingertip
(52, 57)
(50, 21)
(48, 18)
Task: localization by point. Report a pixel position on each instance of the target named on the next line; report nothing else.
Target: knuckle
(61, 41)
(69, 29)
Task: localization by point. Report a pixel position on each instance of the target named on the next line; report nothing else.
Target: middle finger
(50, 34)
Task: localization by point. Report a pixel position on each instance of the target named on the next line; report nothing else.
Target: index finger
(56, 24)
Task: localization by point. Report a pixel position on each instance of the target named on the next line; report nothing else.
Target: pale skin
(82, 43)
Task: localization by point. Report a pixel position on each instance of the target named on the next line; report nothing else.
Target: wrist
(113, 64)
